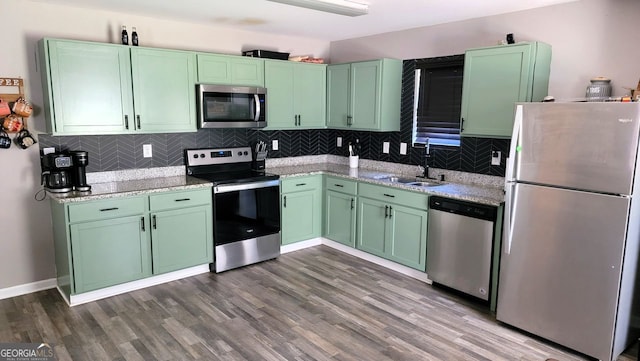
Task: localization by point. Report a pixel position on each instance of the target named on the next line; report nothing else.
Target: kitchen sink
(425, 184)
(399, 180)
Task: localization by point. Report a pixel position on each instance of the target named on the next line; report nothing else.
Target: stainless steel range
(246, 206)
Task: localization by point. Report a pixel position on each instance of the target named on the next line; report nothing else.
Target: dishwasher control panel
(469, 209)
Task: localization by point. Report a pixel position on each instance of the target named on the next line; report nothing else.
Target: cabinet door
(301, 216)
(89, 86)
(181, 238)
(234, 70)
(164, 90)
(214, 69)
(365, 90)
(278, 79)
(407, 236)
(109, 252)
(371, 226)
(340, 218)
(338, 98)
(310, 91)
(494, 80)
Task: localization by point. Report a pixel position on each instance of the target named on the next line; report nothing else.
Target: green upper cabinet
(164, 90)
(365, 95)
(296, 94)
(229, 69)
(495, 79)
(92, 88)
(87, 87)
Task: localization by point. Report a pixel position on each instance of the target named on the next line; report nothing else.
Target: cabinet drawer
(298, 184)
(394, 195)
(179, 199)
(106, 209)
(341, 185)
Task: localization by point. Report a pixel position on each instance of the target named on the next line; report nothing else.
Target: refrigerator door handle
(509, 181)
(509, 215)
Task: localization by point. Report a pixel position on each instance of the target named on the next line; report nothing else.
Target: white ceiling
(261, 15)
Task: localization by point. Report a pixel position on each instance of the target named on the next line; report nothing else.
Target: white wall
(589, 38)
(26, 249)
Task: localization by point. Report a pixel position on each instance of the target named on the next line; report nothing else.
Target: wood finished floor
(313, 304)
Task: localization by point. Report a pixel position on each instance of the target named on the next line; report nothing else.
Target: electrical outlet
(496, 157)
(46, 151)
(403, 148)
(385, 147)
(339, 142)
(274, 144)
(147, 151)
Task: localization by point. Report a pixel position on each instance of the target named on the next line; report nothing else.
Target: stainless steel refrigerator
(569, 255)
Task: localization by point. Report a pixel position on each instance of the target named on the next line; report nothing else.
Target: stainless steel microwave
(228, 106)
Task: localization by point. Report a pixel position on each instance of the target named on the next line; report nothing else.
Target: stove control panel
(209, 156)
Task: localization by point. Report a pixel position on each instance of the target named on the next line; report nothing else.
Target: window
(438, 100)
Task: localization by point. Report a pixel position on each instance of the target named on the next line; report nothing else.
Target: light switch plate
(147, 151)
(403, 148)
(274, 144)
(50, 150)
(496, 157)
(339, 142)
(385, 147)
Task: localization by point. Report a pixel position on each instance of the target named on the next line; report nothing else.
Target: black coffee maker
(80, 162)
(65, 171)
(56, 172)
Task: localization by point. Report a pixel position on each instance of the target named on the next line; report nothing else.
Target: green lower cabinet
(372, 221)
(340, 218)
(300, 216)
(301, 208)
(181, 238)
(109, 252)
(407, 236)
(393, 231)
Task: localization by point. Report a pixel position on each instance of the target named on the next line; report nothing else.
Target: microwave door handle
(256, 98)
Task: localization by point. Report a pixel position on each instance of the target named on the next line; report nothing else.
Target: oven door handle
(225, 188)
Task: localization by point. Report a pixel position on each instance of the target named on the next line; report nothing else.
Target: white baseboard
(134, 285)
(192, 271)
(408, 271)
(27, 288)
(301, 245)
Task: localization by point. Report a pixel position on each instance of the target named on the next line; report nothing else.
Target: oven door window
(246, 214)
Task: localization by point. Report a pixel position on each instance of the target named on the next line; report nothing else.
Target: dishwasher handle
(469, 209)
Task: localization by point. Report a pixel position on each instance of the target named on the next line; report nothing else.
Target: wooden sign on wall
(6, 84)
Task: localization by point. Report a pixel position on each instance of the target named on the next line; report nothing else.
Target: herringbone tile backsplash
(115, 152)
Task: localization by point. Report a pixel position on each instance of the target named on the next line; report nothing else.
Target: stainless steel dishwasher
(459, 245)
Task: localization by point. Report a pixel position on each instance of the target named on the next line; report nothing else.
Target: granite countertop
(490, 195)
(131, 187)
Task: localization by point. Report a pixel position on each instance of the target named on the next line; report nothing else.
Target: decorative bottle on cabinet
(124, 36)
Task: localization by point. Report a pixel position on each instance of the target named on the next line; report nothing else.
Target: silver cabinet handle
(389, 195)
(126, 122)
(182, 199)
(142, 224)
(390, 212)
(386, 211)
(153, 221)
(138, 121)
(339, 185)
(301, 184)
(352, 202)
(285, 202)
